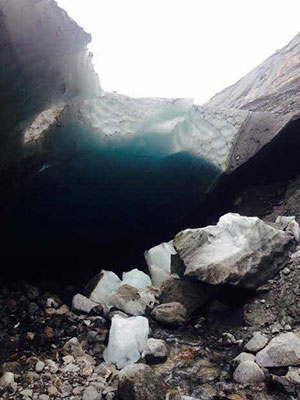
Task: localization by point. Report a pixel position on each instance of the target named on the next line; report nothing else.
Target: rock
(283, 350)
(293, 375)
(52, 366)
(241, 251)
(248, 372)
(190, 293)
(43, 397)
(290, 225)
(91, 393)
(137, 279)
(6, 379)
(39, 366)
(256, 343)
(139, 382)
(156, 351)
(241, 358)
(105, 285)
(271, 86)
(127, 340)
(158, 260)
(131, 300)
(74, 348)
(172, 314)
(83, 304)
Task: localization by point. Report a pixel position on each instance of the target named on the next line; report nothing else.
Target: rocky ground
(51, 350)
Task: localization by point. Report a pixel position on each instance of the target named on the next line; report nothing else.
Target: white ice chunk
(136, 278)
(107, 285)
(158, 260)
(127, 340)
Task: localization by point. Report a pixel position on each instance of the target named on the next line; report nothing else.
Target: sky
(181, 48)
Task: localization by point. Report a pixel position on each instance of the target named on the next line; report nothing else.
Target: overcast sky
(182, 48)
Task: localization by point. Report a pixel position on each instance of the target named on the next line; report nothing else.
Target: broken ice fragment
(127, 339)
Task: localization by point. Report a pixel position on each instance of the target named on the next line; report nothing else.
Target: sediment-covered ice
(136, 278)
(127, 340)
(239, 250)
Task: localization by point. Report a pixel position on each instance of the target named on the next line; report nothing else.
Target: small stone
(7, 379)
(65, 389)
(276, 328)
(40, 365)
(32, 292)
(27, 393)
(172, 314)
(33, 308)
(156, 351)
(73, 347)
(91, 393)
(248, 372)
(52, 390)
(52, 366)
(83, 304)
(287, 327)
(229, 339)
(52, 303)
(256, 343)
(31, 377)
(43, 397)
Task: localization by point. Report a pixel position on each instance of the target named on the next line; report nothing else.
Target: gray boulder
(256, 343)
(189, 292)
(139, 382)
(248, 372)
(172, 314)
(282, 351)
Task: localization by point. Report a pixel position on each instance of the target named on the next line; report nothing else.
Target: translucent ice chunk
(136, 278)
(127, 339)
(158, 260)
(107, 285)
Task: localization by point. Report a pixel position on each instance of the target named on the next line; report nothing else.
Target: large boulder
(190, 293)
(282, 351)
(241, 251)
(248, 372)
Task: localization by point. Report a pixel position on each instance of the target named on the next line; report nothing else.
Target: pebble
(7, 379)
(39, 366)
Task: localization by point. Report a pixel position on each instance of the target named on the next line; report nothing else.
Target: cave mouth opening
(101, 209)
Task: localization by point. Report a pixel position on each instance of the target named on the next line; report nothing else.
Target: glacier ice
(178, 124)
(127, 340)
(132, 295)
(239, 250)
(108, 283)
(136, 278)
(158, 260)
